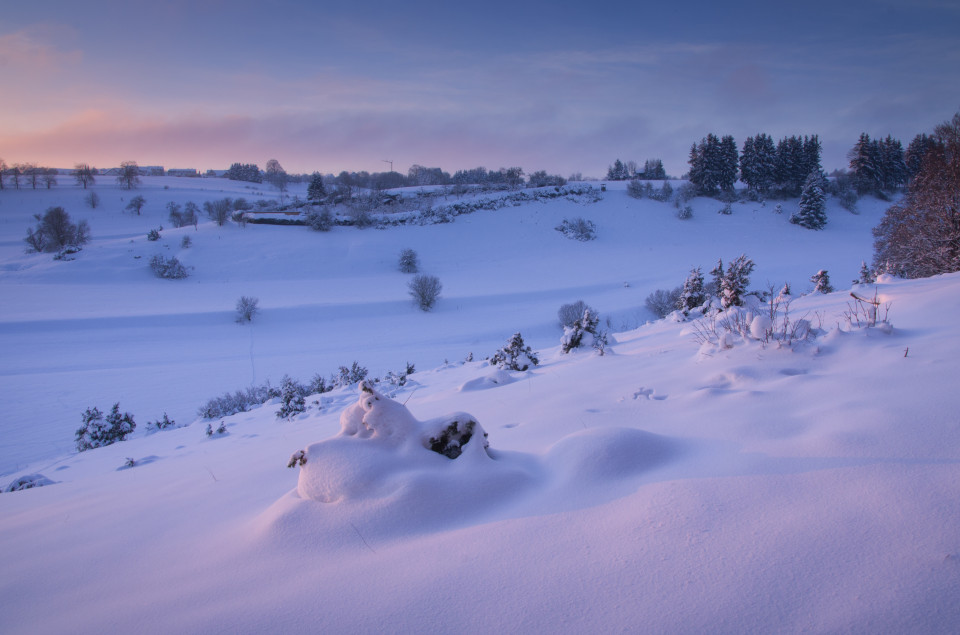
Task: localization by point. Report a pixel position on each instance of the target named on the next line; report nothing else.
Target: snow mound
(602, 455)
(499, 377)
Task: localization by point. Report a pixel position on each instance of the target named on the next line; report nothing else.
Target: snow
(671, 485)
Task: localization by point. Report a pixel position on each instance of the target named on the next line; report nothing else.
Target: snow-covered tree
(583, 332)
(617, 171)
(735, 281)
(129, 176)
(316, 191)
(716, 277)
(813, 201)
(866, 275)
(758, 163)
(425, 290)
(692, 295)
(98, 431)
(515, 355)
(821, 282)
(408, 262)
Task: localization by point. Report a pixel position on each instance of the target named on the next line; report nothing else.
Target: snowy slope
(664, 487)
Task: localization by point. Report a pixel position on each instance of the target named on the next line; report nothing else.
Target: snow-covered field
(663, 487)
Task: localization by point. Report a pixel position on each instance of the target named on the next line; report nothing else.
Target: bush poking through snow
(662, 302)
(219, 432)
(292, 398)
(425, 290)
(452, 438)
(27, 481)
(734, 284)
(584, 332)
(55, 232)
(92, 200)
(349, 376)
(297, 459)
(240, 401)
(821, 282)
(161, 424)
(515, 355)
(98, 431)
(169, 268)
(247, 307)
(578, 229)
(408, 261)
(153, 235)
(320, 220)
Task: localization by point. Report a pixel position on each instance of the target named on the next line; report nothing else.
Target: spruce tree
(316, 192)
(717, 277)
(812, 212)
(692, 294)
(821, 282)
(735, 281)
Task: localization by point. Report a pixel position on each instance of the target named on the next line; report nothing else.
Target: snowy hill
(672, 485)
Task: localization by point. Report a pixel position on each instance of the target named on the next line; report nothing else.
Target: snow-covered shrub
(349, 376)
(570, 313)
(664, 194)
(635, 189)
(98, 431)
(408, 261)
(692, 295)
(318, 385)
(425, 290)
(170, 268)
(240, 401)
(584, 332)
(515, 355)
(247, 307)
(27, 481)
(292, 398)
(186, 242)
(726, 210)
(685, 212)
(821, 282)
(663, 301)
(320, 220)
(685, 193)
(219, 432)
(153, 235)
(735, 281)
(92, 199)
(578, 229)
(161, 424)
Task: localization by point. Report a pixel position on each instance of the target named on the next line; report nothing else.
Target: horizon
(507, 84)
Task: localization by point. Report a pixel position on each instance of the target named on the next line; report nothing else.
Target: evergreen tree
(693, 294)
(893, 172)
(292, 398)
(316, 192)
(865, 165)
(758, 163)
(710, 164)
(735, 281)
(821, 282)
(790, 165)
(913, 157)
(866, 276)
(812, 212)
(727, 163)
(98, 431)
(653, 170)
(617, 172)
(716, 277)
(515, 355)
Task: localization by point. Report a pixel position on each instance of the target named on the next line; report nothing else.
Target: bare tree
(84, 174)
(219, 210)
(129, 176)
(136, 204)
(32, 172)
(3, 171)
(15, 171)
(277, 176)
(93, 200)
(49, 177)
(425, 290)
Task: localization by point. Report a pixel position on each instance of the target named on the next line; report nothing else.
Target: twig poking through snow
(362, 538)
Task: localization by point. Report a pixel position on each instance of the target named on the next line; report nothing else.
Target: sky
(559, 86)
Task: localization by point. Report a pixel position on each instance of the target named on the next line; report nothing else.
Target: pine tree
(916, 151)
(717, 275)
(583, 331)
(735, 281)
(865, 165)
(515, 355)
(693, 294)
(98, 431)
(758, 163)
(727, 163)
(812, 212)
(821, 282)
(316, 192)
(866, 275)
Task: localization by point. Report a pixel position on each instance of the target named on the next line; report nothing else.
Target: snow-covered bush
(408, 262)
(570, 313)
(247, 307)
(425, 290)
(292, 398)
(320, 220)
(92, 199)
(169, 268)
(186, 242)
(692, 295)
(821, 282)
(349, 376)
(578, 229)
(240, 401)
(685, 212)
(664, 194)
(515, 355)
(726, 210)
(153, 235)
(663, 301)
(219, 432)
(735, 281)
(866, 275)
(635, 189)
(27, 481)
(161, 424)
(584, 332)
(98, 431)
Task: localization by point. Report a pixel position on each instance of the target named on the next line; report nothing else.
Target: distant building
(182, 172)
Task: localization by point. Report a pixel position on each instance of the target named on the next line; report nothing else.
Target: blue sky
(561, 86)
